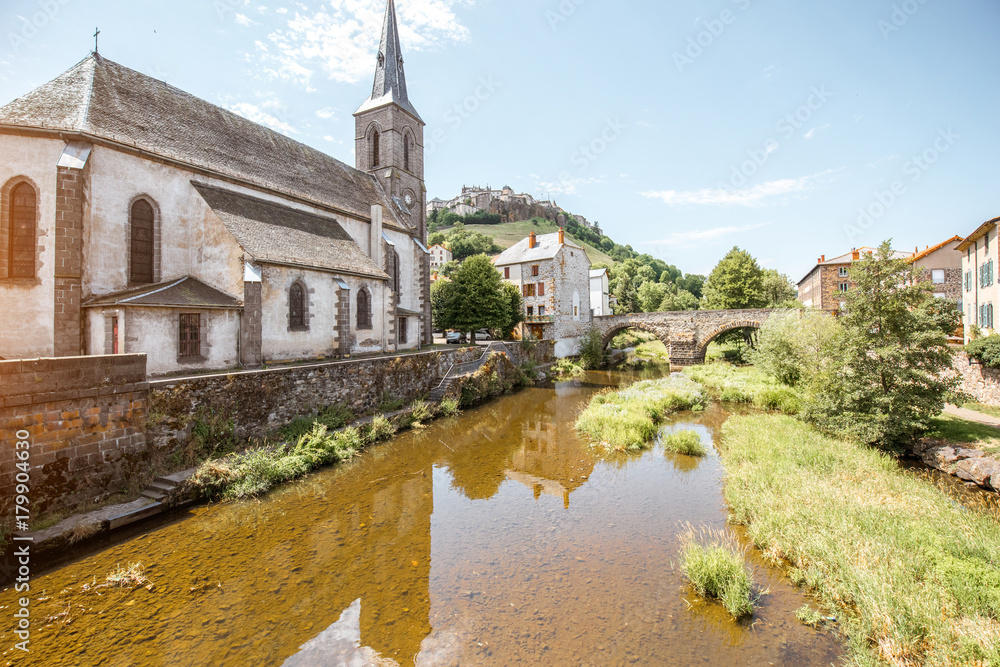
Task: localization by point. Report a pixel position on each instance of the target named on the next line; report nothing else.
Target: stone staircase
(459, 371)
(163, 488)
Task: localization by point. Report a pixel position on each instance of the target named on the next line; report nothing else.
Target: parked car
(483, 334)
(456, 338)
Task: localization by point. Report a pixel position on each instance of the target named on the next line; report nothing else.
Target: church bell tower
(389, 137)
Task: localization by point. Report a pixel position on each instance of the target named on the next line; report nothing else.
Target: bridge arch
(641, 326)
(726, 328)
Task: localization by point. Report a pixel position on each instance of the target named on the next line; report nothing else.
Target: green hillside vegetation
(507, 234)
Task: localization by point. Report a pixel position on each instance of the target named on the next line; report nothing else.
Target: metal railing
(469, 367)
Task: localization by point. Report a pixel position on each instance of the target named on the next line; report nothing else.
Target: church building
(137, 218)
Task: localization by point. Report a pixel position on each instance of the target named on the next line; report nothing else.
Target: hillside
(507, 234)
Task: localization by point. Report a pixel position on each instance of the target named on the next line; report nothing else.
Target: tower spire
(390, 77)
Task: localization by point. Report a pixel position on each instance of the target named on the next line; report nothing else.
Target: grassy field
(913, 577)
(509, 233)
(982, 408)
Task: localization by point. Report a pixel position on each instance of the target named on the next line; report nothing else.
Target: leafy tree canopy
(737, 281)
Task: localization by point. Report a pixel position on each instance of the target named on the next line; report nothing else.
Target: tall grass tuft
(449, 407)
(629, 419)
(684, 442)
(915, 575)
(714, 564)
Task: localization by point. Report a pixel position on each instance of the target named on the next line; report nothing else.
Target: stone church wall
(27, 303)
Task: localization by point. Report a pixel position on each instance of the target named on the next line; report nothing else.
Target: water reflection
(494, 538)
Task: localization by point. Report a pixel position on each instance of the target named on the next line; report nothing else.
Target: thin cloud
(245, 20)
(327, 113)
(339, 38)
(258, 115)
(566, 186)
(764, 194)
(704, 236)
(812, 133)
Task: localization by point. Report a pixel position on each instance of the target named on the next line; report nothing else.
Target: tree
(514, 313)
(890, 385)
(464, 243)
(651, 296)
(448, 268)
(441, 291)
(779, 291)
(476, 299)
(678, 299)
(736, 282)
(628, 299)
(692, 283)
(436, 238)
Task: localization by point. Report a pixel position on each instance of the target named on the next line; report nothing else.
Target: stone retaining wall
(978, 381)
(85, 422)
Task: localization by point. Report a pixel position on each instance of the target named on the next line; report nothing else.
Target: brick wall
(85, 418)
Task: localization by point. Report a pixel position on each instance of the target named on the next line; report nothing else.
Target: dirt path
(971, 415)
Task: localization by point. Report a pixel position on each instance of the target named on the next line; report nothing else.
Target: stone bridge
(686, 334)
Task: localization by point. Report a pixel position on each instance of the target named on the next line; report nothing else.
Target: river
(494, 538)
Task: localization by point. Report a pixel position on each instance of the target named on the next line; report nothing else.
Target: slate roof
(186, 292)
(105, 100)
(546, 247)
(390, 78)
(277, 234)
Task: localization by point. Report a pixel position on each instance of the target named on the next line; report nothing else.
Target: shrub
(333, 417)
(985, 350)
(684, 442)
(213, 433)
(592, 349)
(713, 563)
(567, 367)
(449, 407)
(421, 411)
(378, 430)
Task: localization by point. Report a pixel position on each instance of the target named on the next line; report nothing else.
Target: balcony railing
(539, 319)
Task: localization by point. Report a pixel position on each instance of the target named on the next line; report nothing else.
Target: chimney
(855, 255)
(822, 258)
(376, 236)
(531, 240)
(562, 236)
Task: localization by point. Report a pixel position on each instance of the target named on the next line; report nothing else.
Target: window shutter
(541, 289)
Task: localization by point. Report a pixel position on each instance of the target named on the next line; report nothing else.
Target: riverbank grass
(914, 575)
(684, 442)
(630, 418)
(746, 384)
(957, 431)
(714, 564)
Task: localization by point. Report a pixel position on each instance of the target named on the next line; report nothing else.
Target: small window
(843, 272)
(190, 335)
(296, 307)
(937, 276)
(534, 270)
(940, 295)
(541, 311)
(531, 311)
(506, 272)
(403, 325)
(375, 150)
(541, 289)
(576, 311)
(843, 287)
(529, 289)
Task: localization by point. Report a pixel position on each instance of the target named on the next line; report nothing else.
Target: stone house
(600, 290)
(439, 256)
(823, 287)
(135, 217)
(553, 274)
(979, 280)
(941, 265)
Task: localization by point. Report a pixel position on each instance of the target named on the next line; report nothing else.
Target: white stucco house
(135, 217)
(599, 293)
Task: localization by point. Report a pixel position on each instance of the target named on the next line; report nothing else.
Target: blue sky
(791, 129)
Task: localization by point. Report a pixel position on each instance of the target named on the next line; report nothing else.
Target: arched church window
(364, 310)
(21, 226)
(296, 307)
(141, 223)
(376, 152)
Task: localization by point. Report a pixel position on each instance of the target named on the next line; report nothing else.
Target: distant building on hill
(439, 256)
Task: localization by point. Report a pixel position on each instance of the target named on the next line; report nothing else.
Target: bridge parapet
(686, 334)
